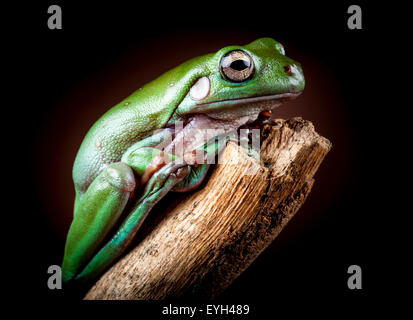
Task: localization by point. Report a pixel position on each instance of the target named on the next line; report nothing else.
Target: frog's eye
(237, 66)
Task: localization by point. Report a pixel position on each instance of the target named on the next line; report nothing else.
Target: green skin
(119, 148)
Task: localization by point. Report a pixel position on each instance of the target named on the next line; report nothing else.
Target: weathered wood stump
(207, 238)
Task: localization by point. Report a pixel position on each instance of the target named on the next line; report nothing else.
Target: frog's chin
(243, 107)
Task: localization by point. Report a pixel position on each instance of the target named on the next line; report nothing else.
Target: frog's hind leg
(160, 183)
(95, 214)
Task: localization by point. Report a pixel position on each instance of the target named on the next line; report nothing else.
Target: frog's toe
(193, 179)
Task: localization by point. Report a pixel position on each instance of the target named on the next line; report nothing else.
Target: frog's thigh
(96, 212)
(157, 187)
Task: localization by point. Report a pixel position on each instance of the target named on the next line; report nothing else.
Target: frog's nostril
(288, 70)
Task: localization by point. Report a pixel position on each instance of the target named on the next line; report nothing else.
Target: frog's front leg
(199, 171)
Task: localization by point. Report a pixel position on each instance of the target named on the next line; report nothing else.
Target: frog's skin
(118, 177)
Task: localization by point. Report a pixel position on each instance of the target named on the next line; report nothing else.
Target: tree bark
(205, 239)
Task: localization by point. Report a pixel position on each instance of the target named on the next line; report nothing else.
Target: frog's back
(133, 119)
(109, 138)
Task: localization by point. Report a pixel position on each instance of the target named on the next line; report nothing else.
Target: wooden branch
(207, 238)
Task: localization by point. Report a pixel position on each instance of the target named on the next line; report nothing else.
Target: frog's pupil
(240, 64)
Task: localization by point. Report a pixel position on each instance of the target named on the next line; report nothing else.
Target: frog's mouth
(234, 108)
(217, 118)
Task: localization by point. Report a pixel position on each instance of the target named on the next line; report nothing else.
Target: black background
(305, 270)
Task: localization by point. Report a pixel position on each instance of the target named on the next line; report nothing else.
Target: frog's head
(242, 81)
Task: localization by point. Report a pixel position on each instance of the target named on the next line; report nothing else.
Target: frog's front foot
(87, 251)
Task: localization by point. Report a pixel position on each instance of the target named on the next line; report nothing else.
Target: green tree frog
(120, 171)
